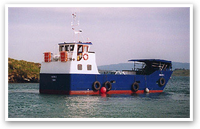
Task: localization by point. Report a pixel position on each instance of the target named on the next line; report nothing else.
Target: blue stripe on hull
(65, 83)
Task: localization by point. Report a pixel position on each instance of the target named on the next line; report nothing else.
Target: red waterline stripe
(97, 92)
(53, 92)
(114, 92)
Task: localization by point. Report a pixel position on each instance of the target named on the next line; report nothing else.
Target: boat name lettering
(53, 76)
(161, 75)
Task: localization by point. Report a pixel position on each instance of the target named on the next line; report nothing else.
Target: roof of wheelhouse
(151, 60)
(83, 43)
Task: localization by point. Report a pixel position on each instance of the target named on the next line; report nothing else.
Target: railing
(64, 56)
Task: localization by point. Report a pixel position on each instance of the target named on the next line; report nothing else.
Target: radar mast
(75, 24)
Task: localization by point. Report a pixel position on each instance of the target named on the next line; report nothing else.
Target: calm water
(24, 101)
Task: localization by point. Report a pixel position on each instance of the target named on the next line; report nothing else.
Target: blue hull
(84, 83)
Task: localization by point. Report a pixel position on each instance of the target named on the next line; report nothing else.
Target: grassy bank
(23, 71)
(181, 72)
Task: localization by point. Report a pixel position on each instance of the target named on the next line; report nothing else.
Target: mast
(75, 24)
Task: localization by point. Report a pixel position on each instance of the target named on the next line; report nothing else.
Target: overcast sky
(118, 33)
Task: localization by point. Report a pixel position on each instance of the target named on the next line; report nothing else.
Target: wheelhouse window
(79, 66)
(66, 48)
(89, 67)
(71, 47)
(79, 52)
(85, 48)
(61, 48)
(80, 48)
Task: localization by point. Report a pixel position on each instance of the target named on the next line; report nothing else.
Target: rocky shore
(20, 71)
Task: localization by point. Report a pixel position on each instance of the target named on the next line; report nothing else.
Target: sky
(118, 34)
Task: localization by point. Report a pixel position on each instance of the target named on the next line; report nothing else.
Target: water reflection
(81, 106)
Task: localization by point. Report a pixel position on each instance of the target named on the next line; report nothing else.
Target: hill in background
(23, 71)
(129, 66)
(179, 69)
(181, 72)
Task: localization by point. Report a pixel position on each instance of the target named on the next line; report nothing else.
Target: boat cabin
(148, 66)
(74, 51)
(73, 57)
(70, 52)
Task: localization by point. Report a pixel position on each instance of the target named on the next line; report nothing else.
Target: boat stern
(54, 83)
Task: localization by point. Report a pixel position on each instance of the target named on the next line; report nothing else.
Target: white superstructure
(74, 57)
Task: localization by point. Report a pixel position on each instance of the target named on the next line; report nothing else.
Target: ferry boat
(74, 72)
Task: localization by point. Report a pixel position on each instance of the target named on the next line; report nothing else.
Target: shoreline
(20, 71)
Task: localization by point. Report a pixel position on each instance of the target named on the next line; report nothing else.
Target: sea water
(24, 101)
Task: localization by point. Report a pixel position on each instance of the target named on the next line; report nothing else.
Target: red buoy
(103, 90)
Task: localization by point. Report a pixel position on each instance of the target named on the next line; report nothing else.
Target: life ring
(135, 87)
(108, 85)
(96, 86)
(85, 56)
(161, 81)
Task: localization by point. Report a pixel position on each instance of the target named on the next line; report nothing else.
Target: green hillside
(181, 72)
(23, 71)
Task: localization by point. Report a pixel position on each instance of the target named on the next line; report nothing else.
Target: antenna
(75, 24)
